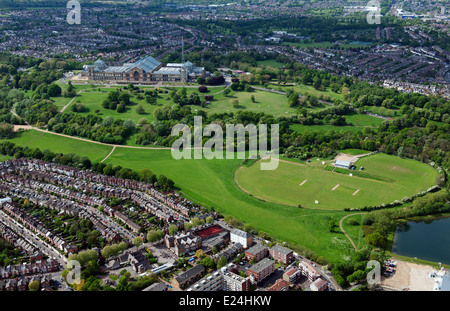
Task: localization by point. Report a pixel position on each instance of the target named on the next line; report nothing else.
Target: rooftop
(189, 273)
(240, 233)
(256, 249)
(281, 249)
(260, 266)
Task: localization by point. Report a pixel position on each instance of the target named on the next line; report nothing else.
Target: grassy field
(267, 102)
(271, 63)
(363, 120)
(55, 143)
(384, 179)
(93, 99)
(211, 183)
(355, 231)
(301, 128)
(4, 157)
(303, 89)
(358, 121)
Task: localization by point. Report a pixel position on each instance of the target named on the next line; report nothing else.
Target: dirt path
(342, 229)
(97, 142)
(68, 104)
(114, 148)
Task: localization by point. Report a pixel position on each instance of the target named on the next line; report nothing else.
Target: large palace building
(147, 70)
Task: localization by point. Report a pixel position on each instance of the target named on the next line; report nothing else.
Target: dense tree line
(107, 130)
(398, 137)
(10, 149)
(418, 107)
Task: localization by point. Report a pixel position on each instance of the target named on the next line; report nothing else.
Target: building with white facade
(241, 237)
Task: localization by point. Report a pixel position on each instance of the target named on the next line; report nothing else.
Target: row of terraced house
(54, 202)
(47, 172)
(37, 226)
(24, 269)
(13, 238)
(21, 284)
(110, 186)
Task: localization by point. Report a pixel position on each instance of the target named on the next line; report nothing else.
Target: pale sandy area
(21, 127)
(410, 276)
(78, 77)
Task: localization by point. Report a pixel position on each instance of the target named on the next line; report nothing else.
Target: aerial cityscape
(192, 146)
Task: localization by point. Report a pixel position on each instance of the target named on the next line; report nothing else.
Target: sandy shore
(410, 276)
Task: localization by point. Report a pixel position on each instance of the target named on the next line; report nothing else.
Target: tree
(222, 262)
(375, 239)
(145, 174)
(165, 183)
(332, 225)
(54, 90)
(358, 275)
(352, 222)
(173, 229)
(137, 241)
(207, 262)
(92, 268)
(235, 103)
(209, 219)
(140, 109)
(294, 100)
(199, 254)
(317, 83)
(202, 89)
(34, 286)
(226, 92)
(154, 235)
(120, 108)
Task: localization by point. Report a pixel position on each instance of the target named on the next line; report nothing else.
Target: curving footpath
(342, 229)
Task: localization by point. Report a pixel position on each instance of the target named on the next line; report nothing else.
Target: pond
(428, 240)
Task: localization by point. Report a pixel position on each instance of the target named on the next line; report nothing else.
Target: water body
(427, 240)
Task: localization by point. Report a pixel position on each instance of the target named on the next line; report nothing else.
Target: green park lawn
(93, 99)
(363, 120)
(270, 63)
(36, 139)
(301, 128)
(304, 89)
(358, 123)
(355, 231)
(384, 179)
(210, 183)
(267, 102)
